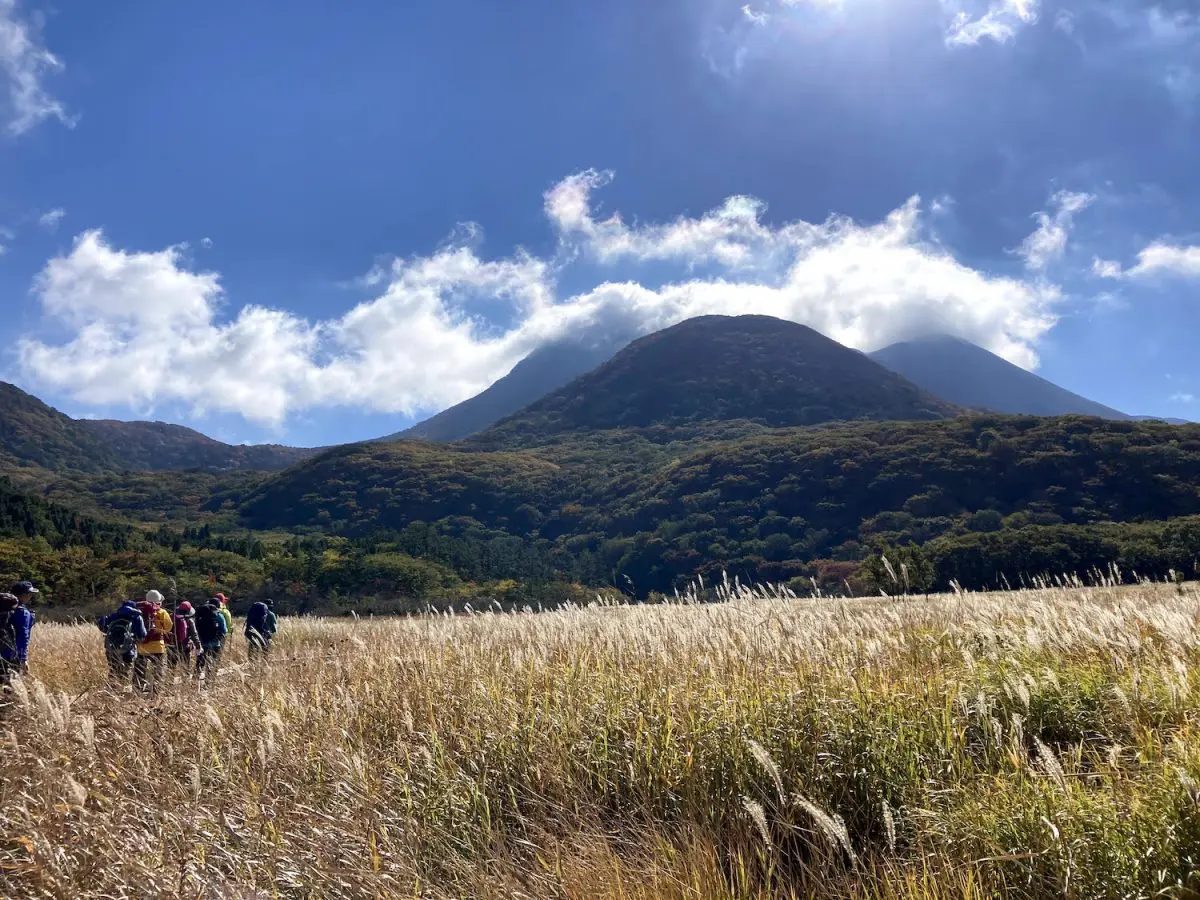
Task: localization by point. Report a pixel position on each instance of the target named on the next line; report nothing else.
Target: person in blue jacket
(16, 628)
(123, 630)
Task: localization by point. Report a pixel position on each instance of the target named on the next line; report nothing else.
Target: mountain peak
(719, 368)
(968, 375)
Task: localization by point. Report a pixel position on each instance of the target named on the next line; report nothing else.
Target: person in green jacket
(223, 603)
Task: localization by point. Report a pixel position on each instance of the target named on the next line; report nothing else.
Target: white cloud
(50, 220)
(1160, 258)
(754, 17)
(1106, 268)
(1182, 397)
(25, 63)
(999, 22)
(146, 328)
(1049, 241)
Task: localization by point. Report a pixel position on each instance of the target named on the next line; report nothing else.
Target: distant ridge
(965, 374)
(542, 371)
(34, 434)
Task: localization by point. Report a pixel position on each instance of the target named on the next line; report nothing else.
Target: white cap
(154, 597)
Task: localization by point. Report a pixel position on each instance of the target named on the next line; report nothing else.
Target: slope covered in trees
(765, 506)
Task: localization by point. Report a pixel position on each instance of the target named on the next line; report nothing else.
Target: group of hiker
(143, 640)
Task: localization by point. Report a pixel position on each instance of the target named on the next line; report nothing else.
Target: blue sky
(315, 222)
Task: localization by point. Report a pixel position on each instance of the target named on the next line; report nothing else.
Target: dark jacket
(14, 638)
(261, 622)
(128, 610)
(210, 626)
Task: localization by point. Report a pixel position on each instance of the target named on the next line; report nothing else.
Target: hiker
(211, 629)
(123, 630)
(152, 651)
(183, 641)
(223, 605)
(16, 624)
(261, 625)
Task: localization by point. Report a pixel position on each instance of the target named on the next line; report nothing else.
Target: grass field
(1032, 744)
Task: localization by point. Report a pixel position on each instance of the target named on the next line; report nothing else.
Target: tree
(900, 570)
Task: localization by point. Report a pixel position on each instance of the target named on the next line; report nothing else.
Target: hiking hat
(221, 598)
(154, 597)
(21, 588)
(185, 609)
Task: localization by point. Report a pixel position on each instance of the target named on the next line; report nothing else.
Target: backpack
(8, 632)
(256, 618)
(181, 632)
(208, 625)
(119, 634)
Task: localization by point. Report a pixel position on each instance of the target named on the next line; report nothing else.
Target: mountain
(721, 368)
(33, 434)
(542, 371)
(968, 375)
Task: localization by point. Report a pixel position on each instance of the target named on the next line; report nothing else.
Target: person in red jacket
(183, 642)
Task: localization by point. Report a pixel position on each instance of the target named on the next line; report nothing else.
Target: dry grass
(1028, 745)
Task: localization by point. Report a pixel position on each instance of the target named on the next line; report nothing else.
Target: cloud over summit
(145, 328)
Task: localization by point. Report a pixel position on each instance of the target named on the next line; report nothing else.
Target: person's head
(24, 591)
(185, 610)
(8, 602)
(154, 598)
(221, 599)
(270, 603)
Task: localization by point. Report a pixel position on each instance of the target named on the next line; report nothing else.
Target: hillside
(965, 374)
(542, 371)
(722, 368)
(159, 446)
(34, 435)
(390, 485)
(766, 506)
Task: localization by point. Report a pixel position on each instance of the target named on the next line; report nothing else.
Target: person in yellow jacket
(152, 652)
(223, 602)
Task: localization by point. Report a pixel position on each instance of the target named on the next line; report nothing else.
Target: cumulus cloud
(143, 328)
(999, 21)
(26, 63)
(1048, 242)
